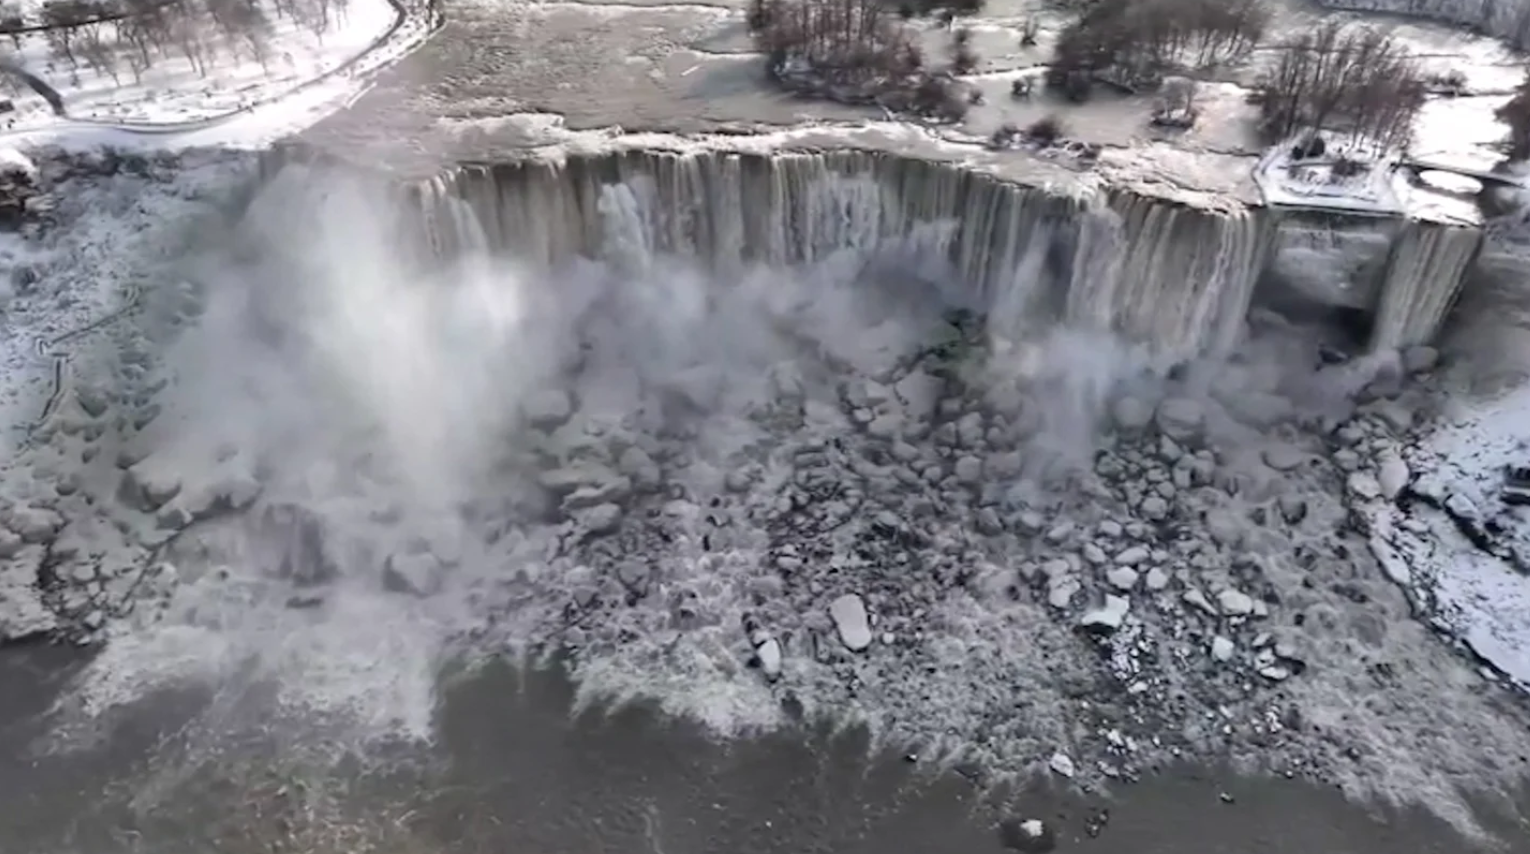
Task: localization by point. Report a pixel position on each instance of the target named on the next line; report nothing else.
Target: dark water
(516, 772)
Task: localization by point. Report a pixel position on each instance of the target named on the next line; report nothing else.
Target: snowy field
(227, 74)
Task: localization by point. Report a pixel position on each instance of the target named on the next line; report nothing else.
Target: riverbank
(513, 770)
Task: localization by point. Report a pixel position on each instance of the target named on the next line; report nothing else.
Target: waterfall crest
(1174, 278)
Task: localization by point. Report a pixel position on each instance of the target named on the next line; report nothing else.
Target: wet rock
(602, 519)
(10, 544)
(1062, 765)
(1132, 556)
(1419, 360)
(412, 574)
(1130, 414)
(1292, 508)
(1060, 591)
(147, 491)
(969, 470)
(301, 547)
(1107, 618)
(93, 402)
(1028, 836)
(1196, 599)
(34, 525)
(1283, 457)
(548, 410)
(1181, 418)
(851, 622)
(1363, 486)
(1391, 475)
(639, 468)
(1235, 603)
(767, 653)
(1222, 648)
(1122, 578)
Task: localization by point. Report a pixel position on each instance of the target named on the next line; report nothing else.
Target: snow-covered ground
(230, 75)
(1459, 464)
(235, 103)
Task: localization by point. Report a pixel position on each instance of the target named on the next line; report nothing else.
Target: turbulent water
(655, 413)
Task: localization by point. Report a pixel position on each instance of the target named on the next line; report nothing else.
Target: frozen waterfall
(1174, 278)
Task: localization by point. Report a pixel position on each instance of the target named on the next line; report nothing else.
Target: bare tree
(99, 53)
(1136, 42)
(1356, 79)
(1516, 114)
(12, 22)
(60, 18)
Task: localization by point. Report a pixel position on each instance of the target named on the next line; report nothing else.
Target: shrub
(1451, 84)
(1336, 77)
(964, 58)
(1029, 29)
(1134, 42)
(1516, 114)
(1046, 130)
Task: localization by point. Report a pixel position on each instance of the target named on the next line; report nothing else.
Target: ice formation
(999, 471)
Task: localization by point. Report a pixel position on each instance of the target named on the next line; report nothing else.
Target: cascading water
(1427, 265)
(1173, 278)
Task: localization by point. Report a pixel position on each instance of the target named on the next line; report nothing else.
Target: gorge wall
(1173, 278)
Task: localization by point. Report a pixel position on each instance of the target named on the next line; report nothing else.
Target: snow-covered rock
(851, 622)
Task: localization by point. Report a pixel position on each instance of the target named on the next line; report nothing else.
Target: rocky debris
(851, 622)
(1167, 549)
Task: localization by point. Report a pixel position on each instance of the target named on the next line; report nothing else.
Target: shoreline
(514, 770)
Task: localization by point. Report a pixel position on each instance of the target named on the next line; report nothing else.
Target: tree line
(124, 39)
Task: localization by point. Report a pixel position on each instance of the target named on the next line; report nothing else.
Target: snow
(1285, 181)
(1478, 598)
(172, 90)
